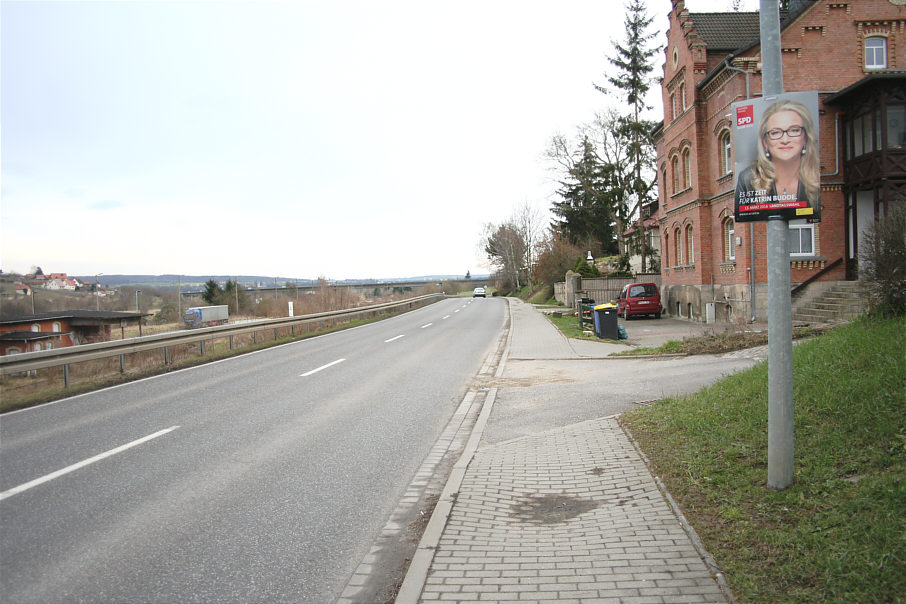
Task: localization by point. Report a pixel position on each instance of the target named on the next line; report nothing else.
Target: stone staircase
(844, 301)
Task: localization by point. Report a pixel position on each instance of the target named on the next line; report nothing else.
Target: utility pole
(780, 313)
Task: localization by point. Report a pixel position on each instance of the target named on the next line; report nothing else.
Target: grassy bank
(839, 532)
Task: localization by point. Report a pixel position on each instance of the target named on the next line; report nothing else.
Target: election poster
(777, 151)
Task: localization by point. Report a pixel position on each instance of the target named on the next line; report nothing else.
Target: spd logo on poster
(745, 116)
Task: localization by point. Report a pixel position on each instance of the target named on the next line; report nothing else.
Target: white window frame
(730, 239)
(690, 245)
(876, 52)
(726, 152)
(799, 226)
(687, 168)
(678, 246)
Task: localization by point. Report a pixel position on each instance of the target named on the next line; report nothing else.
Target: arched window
(876, 52)
(666, 249)
(682, 93)
(57, 327)
(677, 247)
(729, 237)
(690, 247)
(35, 327)
(674, 166)
(664, 182)
(687, 168)
(726, 152)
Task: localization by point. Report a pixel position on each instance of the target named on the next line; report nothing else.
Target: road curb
(417, 574)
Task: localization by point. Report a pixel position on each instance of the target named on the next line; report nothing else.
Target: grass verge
(839, 532)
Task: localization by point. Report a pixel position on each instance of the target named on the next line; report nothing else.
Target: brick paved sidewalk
(570, 515)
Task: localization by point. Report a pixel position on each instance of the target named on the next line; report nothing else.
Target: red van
(639, 299)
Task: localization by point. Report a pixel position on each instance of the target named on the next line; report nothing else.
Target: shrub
(883, 262)
(586, 270)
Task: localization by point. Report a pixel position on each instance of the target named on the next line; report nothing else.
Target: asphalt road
(260, 478)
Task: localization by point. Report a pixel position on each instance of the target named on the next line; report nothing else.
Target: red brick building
(45, 331)
(853, 53)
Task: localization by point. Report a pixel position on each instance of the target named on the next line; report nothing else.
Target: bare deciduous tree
(510, 246)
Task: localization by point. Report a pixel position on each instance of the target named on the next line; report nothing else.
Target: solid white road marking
(321, 368)
(426, 325)
(81, 464)
(395, 338)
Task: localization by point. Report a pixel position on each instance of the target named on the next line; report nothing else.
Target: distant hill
(192, 280)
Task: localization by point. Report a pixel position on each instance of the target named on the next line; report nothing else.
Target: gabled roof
(727, 31)
(735, 30)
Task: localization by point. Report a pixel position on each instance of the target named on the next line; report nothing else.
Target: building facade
(853, 53)
(45, 331)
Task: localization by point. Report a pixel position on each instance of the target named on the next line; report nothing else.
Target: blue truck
(206, 316)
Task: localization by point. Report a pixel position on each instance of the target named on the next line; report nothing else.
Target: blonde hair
(809, 169)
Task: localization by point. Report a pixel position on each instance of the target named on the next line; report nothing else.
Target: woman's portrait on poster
(786, 172)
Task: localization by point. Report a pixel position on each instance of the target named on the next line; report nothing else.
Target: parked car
(478, 293)
(639, 299)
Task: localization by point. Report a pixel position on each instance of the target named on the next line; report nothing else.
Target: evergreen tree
(212, 293)
(585, 212)
(634, 63)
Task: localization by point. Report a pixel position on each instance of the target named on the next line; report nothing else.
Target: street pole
(137, 292)
(780, 313)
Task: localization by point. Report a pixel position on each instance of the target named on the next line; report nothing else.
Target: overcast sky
(333, 138)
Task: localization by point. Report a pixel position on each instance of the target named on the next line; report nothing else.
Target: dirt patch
(550, 509)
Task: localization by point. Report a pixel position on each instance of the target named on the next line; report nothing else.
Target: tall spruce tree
(212, 292)
(633, 60)
(585, 214)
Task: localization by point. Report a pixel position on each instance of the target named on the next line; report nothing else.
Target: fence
(602, 289)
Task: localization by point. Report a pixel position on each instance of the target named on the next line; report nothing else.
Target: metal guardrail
(30, 361)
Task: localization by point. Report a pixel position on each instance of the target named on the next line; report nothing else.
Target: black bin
(606, 321)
